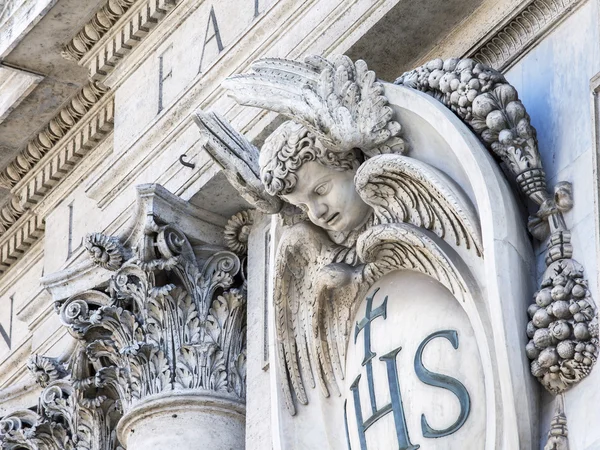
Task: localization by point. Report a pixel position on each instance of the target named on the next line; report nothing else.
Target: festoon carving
(344, 129)
(564, 324)
(164, 320)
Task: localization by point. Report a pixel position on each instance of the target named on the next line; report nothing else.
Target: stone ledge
(93, 31)
(123, 36)
(62, 159)
(511, 39)
(23, 234)
(20, 224)
(57, 128)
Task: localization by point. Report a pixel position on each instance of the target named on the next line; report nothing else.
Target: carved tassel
(557, 436)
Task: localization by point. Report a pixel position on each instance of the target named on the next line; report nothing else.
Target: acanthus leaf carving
(164, 323)
(161, 320)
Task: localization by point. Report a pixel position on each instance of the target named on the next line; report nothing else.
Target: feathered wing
(401, 246)
(312, 318)
(405, 190)
(338, 100)
(239, 158)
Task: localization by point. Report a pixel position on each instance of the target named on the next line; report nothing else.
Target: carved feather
(402, 189)
(339, 101)
(239, 158)
(395, 246)
(312, 296)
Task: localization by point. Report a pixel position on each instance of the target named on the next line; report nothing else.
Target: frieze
(505, 45)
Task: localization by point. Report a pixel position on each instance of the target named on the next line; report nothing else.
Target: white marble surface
(418, 306)
(15, 85)
(553, 82)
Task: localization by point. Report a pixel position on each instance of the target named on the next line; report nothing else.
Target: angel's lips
(332, 219)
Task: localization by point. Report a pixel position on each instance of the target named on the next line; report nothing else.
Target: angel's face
(329, 197)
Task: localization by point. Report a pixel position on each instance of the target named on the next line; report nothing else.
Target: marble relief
(355, 207)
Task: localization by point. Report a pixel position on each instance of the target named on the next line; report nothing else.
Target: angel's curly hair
(290, 146)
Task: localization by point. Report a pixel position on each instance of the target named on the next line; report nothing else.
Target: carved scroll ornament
(165, 321)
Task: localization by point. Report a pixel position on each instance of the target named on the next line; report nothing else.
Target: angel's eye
(322, 189)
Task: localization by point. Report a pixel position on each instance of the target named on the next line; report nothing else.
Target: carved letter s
(444, 382)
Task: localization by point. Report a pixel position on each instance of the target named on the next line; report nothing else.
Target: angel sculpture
(363, 204)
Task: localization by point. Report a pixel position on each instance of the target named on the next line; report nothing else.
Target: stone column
(160, 353)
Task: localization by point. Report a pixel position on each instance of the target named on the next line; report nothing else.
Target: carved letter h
(395, 405)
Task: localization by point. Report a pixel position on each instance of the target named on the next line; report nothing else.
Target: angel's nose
(319, 209)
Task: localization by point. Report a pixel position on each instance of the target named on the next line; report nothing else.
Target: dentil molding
(48, 158)
(502, 47)
(114, 31)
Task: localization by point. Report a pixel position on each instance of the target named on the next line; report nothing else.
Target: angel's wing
(402, 189)
(239, 158)
(338, 100)
(388, 247)
(311, 318)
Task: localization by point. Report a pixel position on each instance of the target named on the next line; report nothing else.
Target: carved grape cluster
(456, 82)
(482, 98)
(563, 330)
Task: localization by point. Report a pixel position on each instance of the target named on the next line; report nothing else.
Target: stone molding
(61, 160)
(93, 31)
(503, 46)
(98, 47)
(118, 40)
(47, 159)
(23, 234)
(57, 127)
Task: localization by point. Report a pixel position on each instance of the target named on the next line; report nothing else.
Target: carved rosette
(105, 251)
(237, 232)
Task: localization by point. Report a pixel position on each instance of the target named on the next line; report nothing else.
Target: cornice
(113, 32)
(62, 158)
(511, 39)
(58, 127)
(93, 31)
(22, 235)
(50, 157)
